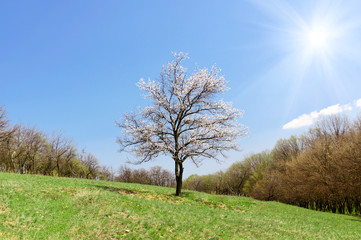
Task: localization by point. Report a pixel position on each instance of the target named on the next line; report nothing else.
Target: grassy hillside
(39, 207)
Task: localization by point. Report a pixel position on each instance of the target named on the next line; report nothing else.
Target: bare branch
(185, 120)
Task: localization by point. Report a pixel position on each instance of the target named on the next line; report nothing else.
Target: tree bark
(178, 177)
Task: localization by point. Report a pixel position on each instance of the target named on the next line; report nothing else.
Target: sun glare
(317, 39)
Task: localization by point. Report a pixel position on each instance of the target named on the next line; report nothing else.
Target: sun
(318, 38)
(316, 43)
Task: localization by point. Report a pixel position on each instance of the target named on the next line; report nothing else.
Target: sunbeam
(315, 42)
(317, 38)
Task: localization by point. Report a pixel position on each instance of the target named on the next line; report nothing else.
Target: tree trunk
(58, 166)
(178, 177)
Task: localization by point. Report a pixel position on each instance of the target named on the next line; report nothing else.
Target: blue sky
(73, 65)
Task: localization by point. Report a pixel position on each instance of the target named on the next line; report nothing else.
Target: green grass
(39, 207)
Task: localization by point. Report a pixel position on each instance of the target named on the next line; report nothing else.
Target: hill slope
(39, 207)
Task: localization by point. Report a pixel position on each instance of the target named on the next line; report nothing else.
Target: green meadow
(40, 207)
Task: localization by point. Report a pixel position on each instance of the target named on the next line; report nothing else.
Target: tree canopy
(186, 118)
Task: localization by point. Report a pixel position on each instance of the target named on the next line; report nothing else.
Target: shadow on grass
(127, 191)
(355, 219)
(117, 190)
(123, 190)
(186, 194)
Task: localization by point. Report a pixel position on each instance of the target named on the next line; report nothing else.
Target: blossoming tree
(185, 119)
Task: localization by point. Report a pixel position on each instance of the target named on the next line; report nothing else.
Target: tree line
(318, 170)
(154, 176)
(26, 150)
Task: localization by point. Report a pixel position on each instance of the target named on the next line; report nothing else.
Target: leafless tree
(60, 151)
(161, 177)
(4, 125)
(91, 164)
(106, 173)
(124, 174)
(5, 138)
(31, 142)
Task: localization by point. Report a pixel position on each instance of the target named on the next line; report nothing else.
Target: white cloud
(301, 121)
(309, 119)
(358, 103)
(334, 109)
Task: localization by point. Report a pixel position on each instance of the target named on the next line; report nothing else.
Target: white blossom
(185, 119)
